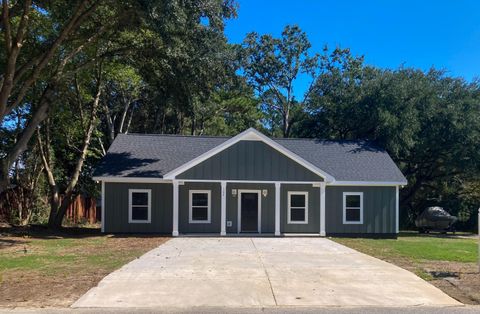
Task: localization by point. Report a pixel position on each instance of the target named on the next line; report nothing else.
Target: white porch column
(103, 206)
(175, 209)
(277, 208)
(322, 209)
(223, 215)
(397, 209)
(478, 222)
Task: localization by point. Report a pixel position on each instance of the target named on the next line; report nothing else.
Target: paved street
(306, 310)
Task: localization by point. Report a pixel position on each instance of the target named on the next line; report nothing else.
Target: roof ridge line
(174, 135)
(226, 136)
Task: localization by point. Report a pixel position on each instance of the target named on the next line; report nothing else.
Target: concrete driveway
(260, 272)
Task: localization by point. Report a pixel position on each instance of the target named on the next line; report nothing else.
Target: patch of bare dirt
(32, 289)
(459, 280)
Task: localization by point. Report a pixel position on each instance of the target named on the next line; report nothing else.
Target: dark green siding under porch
(250, 160)
(267, 205)
(378, 210)
(116, 208)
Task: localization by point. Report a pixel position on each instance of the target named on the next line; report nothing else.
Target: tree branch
(73, 23)
(79, 100)
(7, 27)
(22, 26)
(46, 164)
(13, 51)
(129, 120)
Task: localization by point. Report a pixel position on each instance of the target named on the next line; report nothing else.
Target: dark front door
(249, 215)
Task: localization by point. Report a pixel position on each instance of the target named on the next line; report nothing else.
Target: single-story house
(248, 183)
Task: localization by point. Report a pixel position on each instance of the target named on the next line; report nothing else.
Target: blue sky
(421, 34)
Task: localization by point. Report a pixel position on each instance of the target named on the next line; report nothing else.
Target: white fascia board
(131, 180)
(368, 183)
(251, 181)
(249, 135)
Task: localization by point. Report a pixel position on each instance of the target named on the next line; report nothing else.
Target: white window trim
(345, 222)
(149, 193)
(297, 222)
(190, 206)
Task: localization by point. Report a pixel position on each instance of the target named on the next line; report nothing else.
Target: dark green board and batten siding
(250, 161)
(379, 210)
(378, 217)
(116, 208)
(313, 225)
(184, 208)
(267, 205)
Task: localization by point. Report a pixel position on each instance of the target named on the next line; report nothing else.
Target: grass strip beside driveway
(43, 269)
(448, 262)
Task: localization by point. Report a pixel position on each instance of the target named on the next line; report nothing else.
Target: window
(139, 206)
(352, 207)
(297, 208)
(199, 207)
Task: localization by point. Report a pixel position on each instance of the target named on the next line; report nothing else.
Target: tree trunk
(19, 196)
(194, 124)
(124, 115)
(4, 175)
(104, 152)
(286, 125)
(110, 126)
(59, 209)
(23, 139)
(129, 122)
(54, 204)
(164, 117)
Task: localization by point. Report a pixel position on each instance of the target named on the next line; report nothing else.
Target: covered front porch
(240, 207)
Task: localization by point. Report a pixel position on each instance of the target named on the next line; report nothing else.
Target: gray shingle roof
(346, 160)
(152, 156)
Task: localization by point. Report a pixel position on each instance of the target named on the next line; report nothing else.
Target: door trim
(239, 209)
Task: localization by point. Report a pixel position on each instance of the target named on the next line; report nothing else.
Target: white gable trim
(131, 180)
(249, 135)
(369, 183)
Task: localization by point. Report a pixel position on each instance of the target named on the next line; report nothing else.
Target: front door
(249, 212)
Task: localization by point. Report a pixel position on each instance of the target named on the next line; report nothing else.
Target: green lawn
(417, 252)
(417, 247)
(51, 254)
(68, 263)
(58, 255)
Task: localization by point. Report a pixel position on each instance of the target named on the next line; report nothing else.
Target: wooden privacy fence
(83, 209)
(16, 204)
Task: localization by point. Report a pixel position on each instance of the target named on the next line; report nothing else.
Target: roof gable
(250, 160)
(249, 135)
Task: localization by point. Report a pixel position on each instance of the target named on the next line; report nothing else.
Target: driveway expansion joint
(265, 270)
